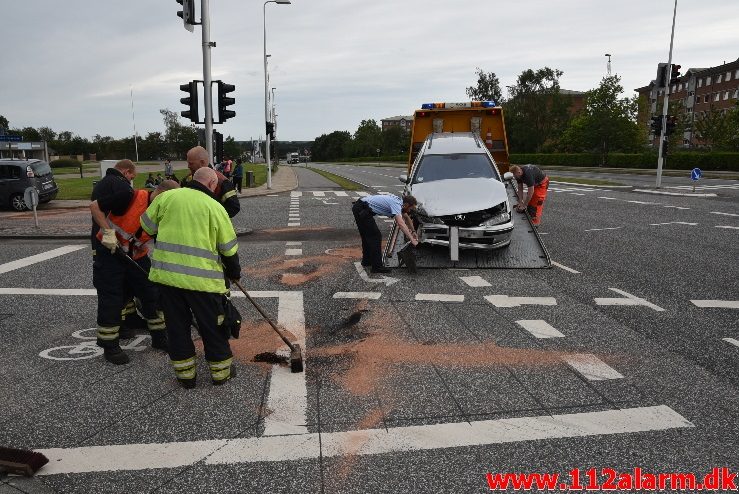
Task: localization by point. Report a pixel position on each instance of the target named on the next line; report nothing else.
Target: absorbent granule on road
(257, 338)
(270, 358)
(300, 270)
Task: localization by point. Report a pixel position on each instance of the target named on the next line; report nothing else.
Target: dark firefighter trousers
(115, 280)
(371, 236)
(179, 307)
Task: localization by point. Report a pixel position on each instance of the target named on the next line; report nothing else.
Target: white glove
(109, 240)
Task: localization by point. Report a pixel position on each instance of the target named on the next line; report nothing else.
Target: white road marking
(728, 227)
(576, 194)
(341, 193)
(293, 224)
(608, 198)
(674, 223)
(367, 295)
(318, 193)
(724, 214)
(475, 281)
(560, 266)
(362, 194)
(293, 215)
(716, 304)
(539, 328)
(601, 229)
(643, 202)
(293, 252)
(65, 292)
(44, 256)
(591, 367)
(295, 193)
(363, 274)
(731, 340)
(677, 207)
(439, 297)
(359, 442)
(506, 301)
(293, 243)
(665, 193)
(629, 300)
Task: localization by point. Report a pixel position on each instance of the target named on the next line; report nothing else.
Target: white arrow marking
(731, 340)
(674, 223)
(475, 281)
(363, 274)
(506, 301)
(718, 304)
(629, 300)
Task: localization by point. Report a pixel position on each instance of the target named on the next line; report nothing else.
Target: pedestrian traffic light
(656, 124)
(187, 13)
(191, 88)
(271, 130)
(224, 101)
(675, 73)
(218, 138)
(671, 124)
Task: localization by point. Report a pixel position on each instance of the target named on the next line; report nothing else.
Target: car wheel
(17, 203)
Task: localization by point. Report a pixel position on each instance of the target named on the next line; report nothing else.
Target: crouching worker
(537, 184)
(116, 278)
(196, 247)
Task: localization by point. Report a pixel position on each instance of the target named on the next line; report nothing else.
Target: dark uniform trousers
(371, 236)
(179, 307)
(115, 279)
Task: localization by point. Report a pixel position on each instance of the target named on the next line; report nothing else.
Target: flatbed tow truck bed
(526, 250)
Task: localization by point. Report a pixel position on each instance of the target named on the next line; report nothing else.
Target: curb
(686, 194)
(591, 185)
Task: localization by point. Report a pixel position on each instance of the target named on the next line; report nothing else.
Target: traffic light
(656, 124)
(187, 13)
(218, 138)
(224, 101)
(671, 124)
(191, 88)
(675, 73)
(665, 145)
(271, 130)
(661, 73)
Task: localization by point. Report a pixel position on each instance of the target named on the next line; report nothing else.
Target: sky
(73, 65)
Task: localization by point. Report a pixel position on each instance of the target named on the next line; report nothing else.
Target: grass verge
(584, 181)
(343, 182)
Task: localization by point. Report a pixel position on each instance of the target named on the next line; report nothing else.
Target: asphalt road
(625, 354)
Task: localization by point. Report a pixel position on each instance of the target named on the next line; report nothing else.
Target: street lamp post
(266, 89)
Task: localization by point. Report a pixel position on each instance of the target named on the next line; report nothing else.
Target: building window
(726, 95)
(736, 74)
(680, 87)
(728, 76)
(708, 80)
(706, 98)
(700, 82)
(716, 96)
(718, 79)
(673, 89)
(736, 93)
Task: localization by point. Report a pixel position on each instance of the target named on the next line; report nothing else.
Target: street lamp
(266, 88)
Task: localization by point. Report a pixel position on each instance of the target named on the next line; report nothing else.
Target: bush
(375, 159)
(62, 162)
(682, 160)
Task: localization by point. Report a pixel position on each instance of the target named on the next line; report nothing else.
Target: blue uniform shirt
(384, 204)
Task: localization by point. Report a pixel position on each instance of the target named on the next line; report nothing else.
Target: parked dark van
(17, 175)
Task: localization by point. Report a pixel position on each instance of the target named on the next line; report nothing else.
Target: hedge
(673, 161)
(62, 162)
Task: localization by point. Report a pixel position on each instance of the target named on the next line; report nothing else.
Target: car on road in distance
(16, 175)
(457, 184)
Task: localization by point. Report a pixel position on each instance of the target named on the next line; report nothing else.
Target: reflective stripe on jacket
(193, 231)
(127, 224)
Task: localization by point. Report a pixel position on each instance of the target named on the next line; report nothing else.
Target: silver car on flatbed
(457, 184)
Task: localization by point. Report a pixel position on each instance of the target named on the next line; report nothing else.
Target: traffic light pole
(207, 92)
(266, 99)
(665, 103)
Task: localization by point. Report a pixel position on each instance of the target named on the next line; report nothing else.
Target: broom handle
(264, 314)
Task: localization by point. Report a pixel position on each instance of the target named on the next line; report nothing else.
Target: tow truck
(458, 169)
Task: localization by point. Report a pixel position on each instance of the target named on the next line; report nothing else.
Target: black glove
(231, 318)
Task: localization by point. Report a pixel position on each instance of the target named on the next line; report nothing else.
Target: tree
(395, 140)
(607, 123)
(4, 124)
(367, 140)
(536, 111)
(179, 138)
(231, 148)
(330, 146)
(713, 128)
(30, 134)
(487, 89)
(46, 134)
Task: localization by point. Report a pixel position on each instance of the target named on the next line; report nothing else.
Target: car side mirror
(507, 176)
(403, 178)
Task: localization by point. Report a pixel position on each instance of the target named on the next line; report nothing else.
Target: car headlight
(497, 219)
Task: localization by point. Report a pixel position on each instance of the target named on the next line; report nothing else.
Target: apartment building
(403, 121)
(697, 92)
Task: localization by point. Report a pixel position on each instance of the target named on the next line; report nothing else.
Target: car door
(5, 184)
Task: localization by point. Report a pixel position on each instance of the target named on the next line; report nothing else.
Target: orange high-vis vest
(127, 224)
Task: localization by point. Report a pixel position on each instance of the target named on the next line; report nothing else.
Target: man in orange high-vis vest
(537, 184)
(116, 279)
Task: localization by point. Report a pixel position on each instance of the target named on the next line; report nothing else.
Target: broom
(21, 461)
(296, 354)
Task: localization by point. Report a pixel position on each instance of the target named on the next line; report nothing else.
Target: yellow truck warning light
(483, 118)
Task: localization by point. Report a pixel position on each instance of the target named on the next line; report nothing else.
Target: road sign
(30, 197)
(11, 138)
(696, 174)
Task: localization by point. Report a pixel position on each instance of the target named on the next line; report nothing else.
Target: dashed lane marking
(560, 266)
(293, 224)
(293, 243)
(362, 295)
(293, 252)
(677, 207)
(731, 341)
(362, 442)
(629, 300)
(44, 256)
(601, 229)
(506, 301)
(439, 297)
(724, 214)
(539, 328)
(674, 223)
(475, 281)
(591, 367)
(728, 227)
(716, 304)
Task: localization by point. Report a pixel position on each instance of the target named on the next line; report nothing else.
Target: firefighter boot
(159, 340)
(114, 354)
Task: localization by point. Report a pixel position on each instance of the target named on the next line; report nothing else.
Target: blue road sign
(696, 174)
(11, 138)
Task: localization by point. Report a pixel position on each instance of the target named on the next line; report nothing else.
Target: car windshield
(40, 168)
(453, 166)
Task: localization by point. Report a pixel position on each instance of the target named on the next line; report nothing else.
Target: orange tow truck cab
(481, 117)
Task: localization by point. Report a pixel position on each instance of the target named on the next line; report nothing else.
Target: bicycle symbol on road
(88, 348)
